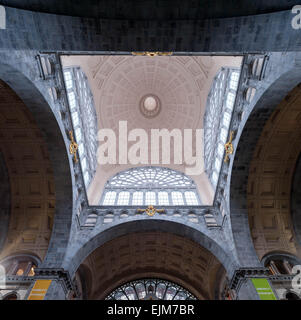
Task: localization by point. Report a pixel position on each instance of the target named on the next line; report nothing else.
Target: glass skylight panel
(137, 198)
(230, 100)
(150, 198)
(163, 198)
(177, 198)
(220, 149)
(86, 177)
(109, 198)
(84, 164)
(226, 119)
(214, 177)
(191, 198)
(217, 163)
(223, 135)
(123, 198)
(71, 98)
(81, 149)
(75, 119)
(78, 134)
(68, 79)
(234, 80)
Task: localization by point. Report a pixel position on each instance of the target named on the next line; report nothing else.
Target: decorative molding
(152, 53)
(73, 147)
(151, 210)
(229, 147)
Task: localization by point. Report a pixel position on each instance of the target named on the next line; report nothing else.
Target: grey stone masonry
(27, 30)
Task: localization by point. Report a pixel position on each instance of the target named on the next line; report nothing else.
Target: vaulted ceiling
(270, 179)
(153, 254)
(30, 178)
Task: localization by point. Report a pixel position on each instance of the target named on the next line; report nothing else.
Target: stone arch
(250, 133)
(280, 255)
(178, 229)
(51, 129)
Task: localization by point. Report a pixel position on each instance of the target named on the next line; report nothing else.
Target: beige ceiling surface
(181, 83)
(153, 254)
(30, 175)
(270, 179)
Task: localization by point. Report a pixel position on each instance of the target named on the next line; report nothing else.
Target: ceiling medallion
(151, 54)
(150, 105)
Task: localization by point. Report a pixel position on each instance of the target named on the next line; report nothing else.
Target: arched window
(20, 265)
(150, 186)
(280, 263)
(217, 118)
(150, 289)
(84, 119)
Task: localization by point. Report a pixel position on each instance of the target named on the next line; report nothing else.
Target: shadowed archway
(51, 131)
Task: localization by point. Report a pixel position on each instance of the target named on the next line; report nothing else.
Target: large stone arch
(51, 130)
(80, 254)
(248, 137)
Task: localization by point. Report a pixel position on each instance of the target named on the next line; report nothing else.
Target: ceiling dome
(141, 90)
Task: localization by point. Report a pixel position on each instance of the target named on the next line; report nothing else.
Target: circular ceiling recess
(150, 105)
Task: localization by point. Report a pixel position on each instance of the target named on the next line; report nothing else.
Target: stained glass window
(150, 289)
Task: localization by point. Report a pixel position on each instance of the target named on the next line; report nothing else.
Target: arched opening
(153, 255)
(30, 185)
(270, 181)
(20, 265)
(269, 192)
(38, 124)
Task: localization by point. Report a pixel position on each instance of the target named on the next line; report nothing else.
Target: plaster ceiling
(179, 83)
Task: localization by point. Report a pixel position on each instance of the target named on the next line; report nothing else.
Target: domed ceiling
(150, 93)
